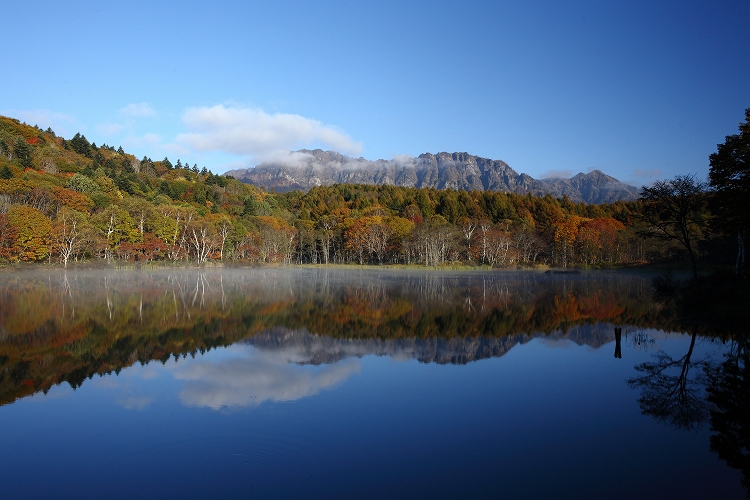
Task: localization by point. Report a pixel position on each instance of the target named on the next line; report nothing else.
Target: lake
(347, 383)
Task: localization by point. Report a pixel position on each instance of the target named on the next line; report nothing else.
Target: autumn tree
(73, 199)
(565, 234)
(141, 211)
(8, 234)
(355, 239)
(224, 229)
(597, 239)
(326, 225)
(468, 227)
(277, 239)
(202, 238)
(69, 233)
(33, 232)
(115, 225)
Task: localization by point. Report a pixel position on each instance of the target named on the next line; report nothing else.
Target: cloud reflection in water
(250, 376)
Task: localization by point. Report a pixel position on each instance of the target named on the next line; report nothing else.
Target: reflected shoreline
(60, 327)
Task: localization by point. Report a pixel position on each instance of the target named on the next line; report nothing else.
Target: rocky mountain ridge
(460, 171)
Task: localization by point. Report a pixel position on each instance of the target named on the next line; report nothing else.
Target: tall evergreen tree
(729, 176)
(22, 151)
(81, 145)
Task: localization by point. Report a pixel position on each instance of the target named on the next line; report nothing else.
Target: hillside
(460, 171)
(69, 200)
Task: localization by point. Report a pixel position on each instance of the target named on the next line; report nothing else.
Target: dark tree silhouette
(729, 177)
(675, 210)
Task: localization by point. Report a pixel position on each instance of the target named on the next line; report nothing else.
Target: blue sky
(641, 90)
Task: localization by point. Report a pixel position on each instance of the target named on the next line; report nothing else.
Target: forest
(65, 201)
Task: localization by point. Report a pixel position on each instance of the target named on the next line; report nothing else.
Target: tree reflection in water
(685, 393)
(729, 395)
(672, 389)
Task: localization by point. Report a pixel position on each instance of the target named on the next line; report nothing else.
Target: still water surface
(299, 383)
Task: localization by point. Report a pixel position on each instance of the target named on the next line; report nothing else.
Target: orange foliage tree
(8, 235)
(33, 232)
(597, 239)
(566, 231)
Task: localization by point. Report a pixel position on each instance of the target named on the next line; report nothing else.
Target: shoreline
(646, 269)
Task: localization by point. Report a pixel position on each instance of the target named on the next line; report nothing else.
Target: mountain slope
(460, 171)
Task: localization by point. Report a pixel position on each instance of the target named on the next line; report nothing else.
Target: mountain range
(460, 171)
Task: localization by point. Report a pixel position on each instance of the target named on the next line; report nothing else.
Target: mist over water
(339, 383)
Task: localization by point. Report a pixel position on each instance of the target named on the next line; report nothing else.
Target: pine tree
(23, 152)
(81, 145)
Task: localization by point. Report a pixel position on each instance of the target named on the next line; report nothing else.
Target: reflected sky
(245, 376)
(289, 384)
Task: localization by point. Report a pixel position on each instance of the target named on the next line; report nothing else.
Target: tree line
(71, 200)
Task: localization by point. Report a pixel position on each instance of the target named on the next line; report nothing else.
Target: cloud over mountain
(460, 171)
(259, 135)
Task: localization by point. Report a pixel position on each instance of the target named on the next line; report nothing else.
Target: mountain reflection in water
(65, 327)
(401, 402)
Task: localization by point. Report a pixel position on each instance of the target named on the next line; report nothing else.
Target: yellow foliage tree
(33, 232)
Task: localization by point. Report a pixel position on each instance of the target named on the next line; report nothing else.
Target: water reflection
(672, 389)
(729, 394)
(65, 327)
(695, 386)
(250, 377)
(688, 391)
(278, 335)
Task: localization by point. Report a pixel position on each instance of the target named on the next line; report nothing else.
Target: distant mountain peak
(460, 170)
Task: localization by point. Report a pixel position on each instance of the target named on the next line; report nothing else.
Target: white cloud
(256, 134)
(557, 174)
(403, 160)
(286, 157)
(139, 110)
(131, 402)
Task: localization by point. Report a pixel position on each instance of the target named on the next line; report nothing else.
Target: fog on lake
(341, 383)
